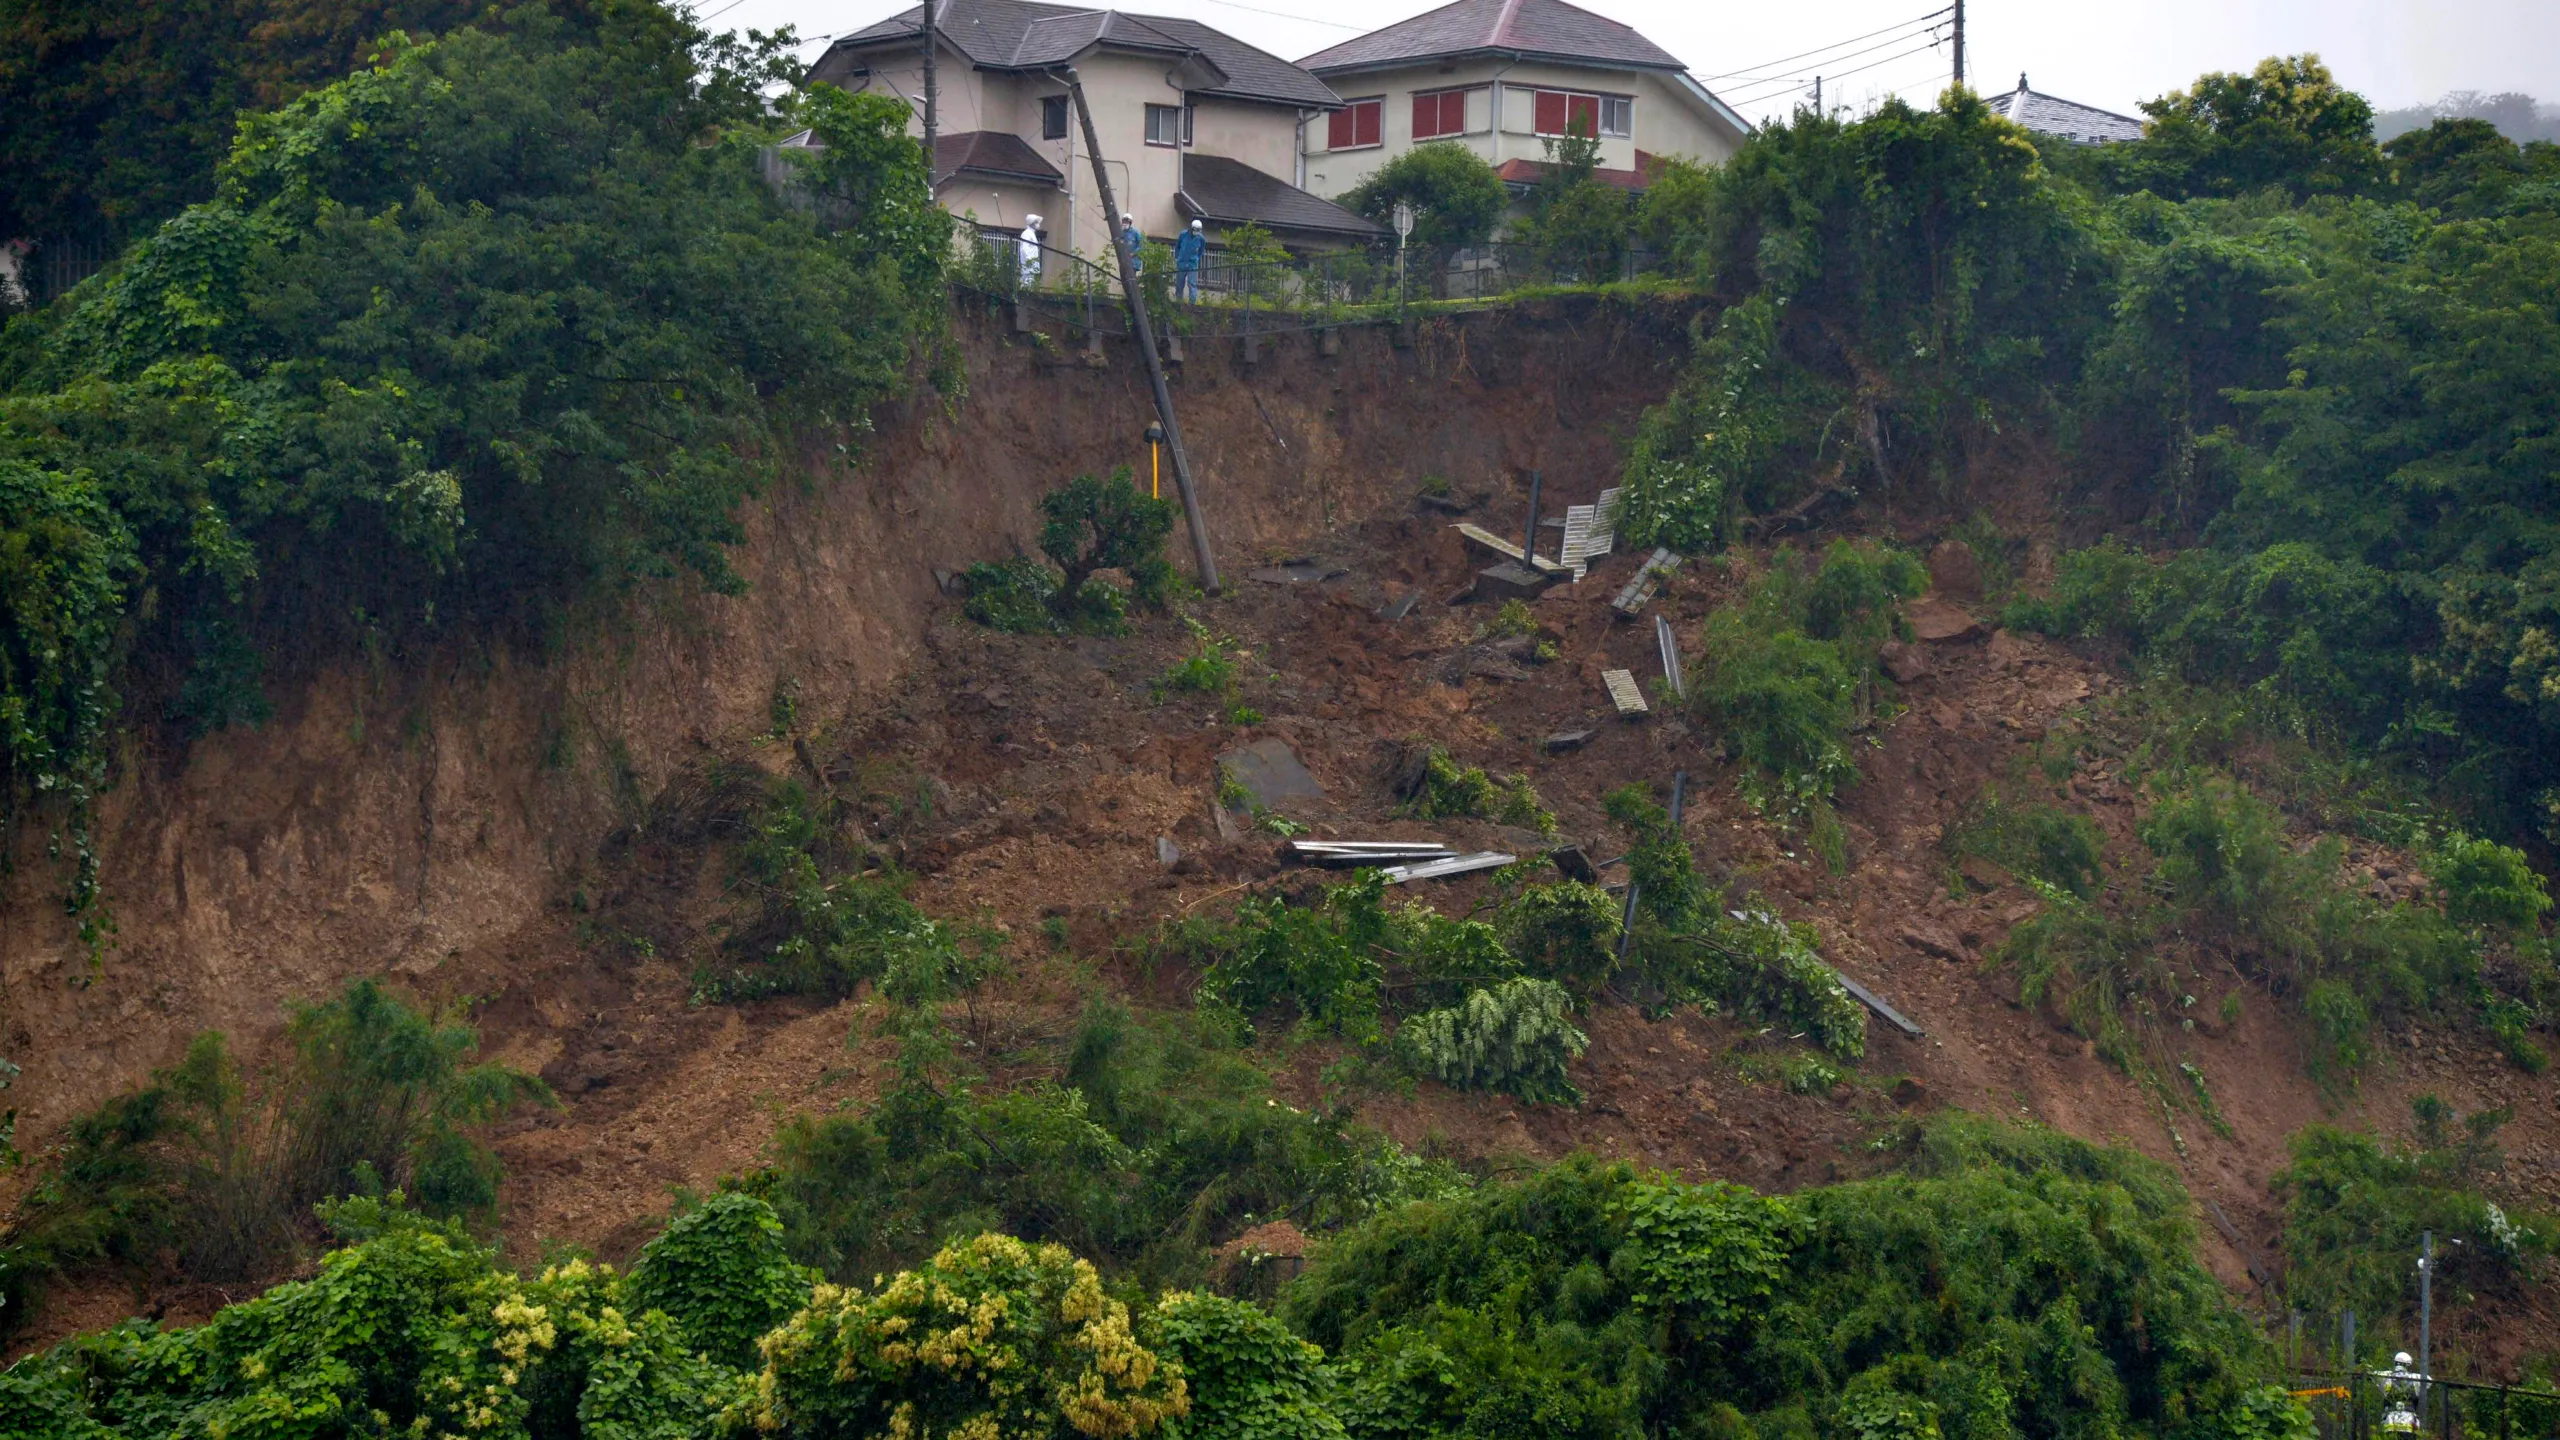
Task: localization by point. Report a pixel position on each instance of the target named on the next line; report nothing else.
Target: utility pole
(2426, 1297)
(932, 95)
(1146, 338)
(1817, 96)
(1959, 42)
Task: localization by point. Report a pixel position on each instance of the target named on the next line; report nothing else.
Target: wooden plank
(1475, 534)
(1624, 693)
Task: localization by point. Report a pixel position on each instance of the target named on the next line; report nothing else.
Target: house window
(1190, 118)
(1355, 126)
(1439, 113)
(1563, 112)
(1164, 125)
(1053, 117)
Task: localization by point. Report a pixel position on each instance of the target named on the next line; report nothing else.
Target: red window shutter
(1426, 116)
(1337, 130)
(1585, 118)
(1371, 113)
(1453, 113)
(1551, 112)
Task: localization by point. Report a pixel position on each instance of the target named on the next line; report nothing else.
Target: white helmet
(1195, 224)
(1031, 222)
(2401, 1359)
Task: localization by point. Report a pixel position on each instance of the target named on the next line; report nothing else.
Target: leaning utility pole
(1959, 42)
(1146, 338)
(932, 95)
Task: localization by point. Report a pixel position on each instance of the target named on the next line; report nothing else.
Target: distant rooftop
(1536, 29)
(2065, 119)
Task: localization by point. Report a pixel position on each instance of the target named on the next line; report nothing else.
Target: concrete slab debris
(1623, 692)
(1564, 740)
(1168, 854)
(1669, 645)
(1646, 580)
(1512, 580)
(1575, 863)
(1298, 572)
(1401, 606)
(1455, 865)
(1270, 772)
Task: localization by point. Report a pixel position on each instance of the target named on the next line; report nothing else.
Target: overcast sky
(2398, 52)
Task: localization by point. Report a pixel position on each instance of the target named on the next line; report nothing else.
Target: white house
(1503, 77)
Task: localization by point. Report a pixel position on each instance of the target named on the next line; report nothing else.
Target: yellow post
(1155, 472)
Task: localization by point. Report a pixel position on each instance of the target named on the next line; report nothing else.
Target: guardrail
(2362, 1405)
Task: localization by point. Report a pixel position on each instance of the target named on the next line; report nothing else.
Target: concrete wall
(1667, 118)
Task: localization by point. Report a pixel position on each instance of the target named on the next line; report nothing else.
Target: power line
(1747, 71)
(1797, 82)
(1285, 15)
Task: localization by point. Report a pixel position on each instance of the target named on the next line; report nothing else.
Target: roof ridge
(1501, 34)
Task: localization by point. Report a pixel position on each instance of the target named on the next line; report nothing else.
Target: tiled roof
(2081, 124)
(1546, 29)
(1232, 192)
(999, 153)
(1022, 35)
(1530, 172)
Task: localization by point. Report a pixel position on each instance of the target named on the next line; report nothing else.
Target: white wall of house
(1119, 87)
(1666, 118)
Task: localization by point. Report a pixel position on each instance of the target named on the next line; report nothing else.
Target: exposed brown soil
(414, 826)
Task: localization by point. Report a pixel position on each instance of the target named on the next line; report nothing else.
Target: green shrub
(720, 1271)
(2482, 882)
(1456, 196)
(1565, 932)
(1447, 788)
(1017, 596)
(1513, 621)
(1210, 668)
(2061, 847)
(1250, 1379)
(373, 1095)
(1516, 1037)
(2354, 1209)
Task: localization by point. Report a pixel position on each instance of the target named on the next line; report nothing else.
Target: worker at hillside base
(2400, 1389)
(1030, 251)
(1186, 263)
(1134, 243)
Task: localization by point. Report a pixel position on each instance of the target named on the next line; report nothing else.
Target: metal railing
(1226, 296)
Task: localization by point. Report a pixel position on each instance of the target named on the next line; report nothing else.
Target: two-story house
(1503, 78)
(1191, 122)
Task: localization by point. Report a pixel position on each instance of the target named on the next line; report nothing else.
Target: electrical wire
(1749, 72)
(716, 14)
(1285, 15)
(1795, 83)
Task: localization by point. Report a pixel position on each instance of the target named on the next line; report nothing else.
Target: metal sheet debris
(1455, 865)
(1875, 1002)
(1590, 531)
(1669, 645)
(1270, 772)
(1623, 692)
(1338, 854)
(1645, 581)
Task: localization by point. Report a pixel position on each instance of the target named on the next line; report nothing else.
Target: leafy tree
(990, 1336)
(1566, 932)
(1250, 1378)
(1089, 525)
(720, 1271)
(1515, 1037)
(501, 319)
(2463, 168)
(1578, 224)
(2288, 124)
(1457, 198)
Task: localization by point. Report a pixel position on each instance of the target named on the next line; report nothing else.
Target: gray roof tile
(1549, 29)
(1022, 35)
(1232, 192)
(999, 153)
(2070, 120)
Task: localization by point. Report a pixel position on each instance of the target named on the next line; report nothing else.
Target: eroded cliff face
(416, 814)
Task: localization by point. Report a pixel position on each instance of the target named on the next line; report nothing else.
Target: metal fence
(1226, 296)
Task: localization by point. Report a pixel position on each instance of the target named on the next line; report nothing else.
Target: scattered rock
(1905, 663)
(1955, 571)
(1940, 623)
(1983, 872)
(1168, 854)
(1563, 741)
(1930, 940)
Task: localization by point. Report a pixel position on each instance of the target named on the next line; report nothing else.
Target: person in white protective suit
(2400, 1388)
(1030, 251)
